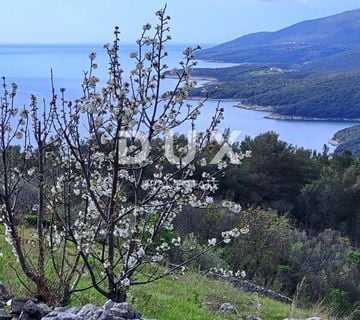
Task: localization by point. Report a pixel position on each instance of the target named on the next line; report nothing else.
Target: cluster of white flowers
(212, 241)
(9, 239)
(234, 233)
(85, 227)
(229, 273)
(90, 105)
(232, 206)
(122, 230)
(27, 153)
(203, 162)
(101, 185)
(176, 241)
(55, 237)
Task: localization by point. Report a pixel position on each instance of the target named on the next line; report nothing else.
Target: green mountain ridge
(310, 70)
(295, 45)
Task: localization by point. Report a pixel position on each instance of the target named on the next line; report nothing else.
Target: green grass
(190, 296)
(193, 296)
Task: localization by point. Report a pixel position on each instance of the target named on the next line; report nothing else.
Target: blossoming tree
(26, 174)
(122, 177)
(126, 168)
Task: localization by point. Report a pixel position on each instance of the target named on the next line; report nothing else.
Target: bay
(29, 66)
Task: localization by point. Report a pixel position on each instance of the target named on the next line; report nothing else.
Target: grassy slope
(182, 297)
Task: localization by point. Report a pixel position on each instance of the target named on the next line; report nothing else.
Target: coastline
(273, 115)
(254, 107)
(195, 98)
(209, 80)
(277, 116)
(334, 142)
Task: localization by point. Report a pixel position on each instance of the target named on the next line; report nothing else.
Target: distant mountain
(300, 44)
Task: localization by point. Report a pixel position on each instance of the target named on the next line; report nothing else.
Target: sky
(192, 21)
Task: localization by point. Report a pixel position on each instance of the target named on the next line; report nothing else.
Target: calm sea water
(29, 66)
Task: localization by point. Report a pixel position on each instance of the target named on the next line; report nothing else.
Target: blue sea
(29, 66)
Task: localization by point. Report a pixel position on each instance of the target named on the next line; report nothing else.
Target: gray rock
(87, 311)
(17, 304)
(108, 305)
(62, 316)
(227, 307)
(73, 310)
(5, 316)
(246, 285)
(54, 313)
(124, 310)
(106, 315)
(44, 309)
(4, 295)
(98, 312)
(31, 310)
(312, 318)
(61, 309)
(110, 311)
(23, 316)
(252, 318)
(68, 316)
(50, 316)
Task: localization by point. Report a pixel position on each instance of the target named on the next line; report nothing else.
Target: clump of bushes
(322, 268)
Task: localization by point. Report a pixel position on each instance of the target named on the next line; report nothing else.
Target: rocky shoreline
(277, 116)
(254, 107)
(334, 142)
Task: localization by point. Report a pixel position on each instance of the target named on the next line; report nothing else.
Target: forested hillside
(310, 69)
(348, 139)
(298, 44)
(303, 94)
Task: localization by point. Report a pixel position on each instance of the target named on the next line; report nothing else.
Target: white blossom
(212, 241)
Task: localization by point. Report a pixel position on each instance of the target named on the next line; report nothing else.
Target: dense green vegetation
(318, 190)
(345, 61)
(303, 214)
(303, 94)
(275, 254)
(311, 233)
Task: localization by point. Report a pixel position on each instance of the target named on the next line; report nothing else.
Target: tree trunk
(65, 300)
(118, 295)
